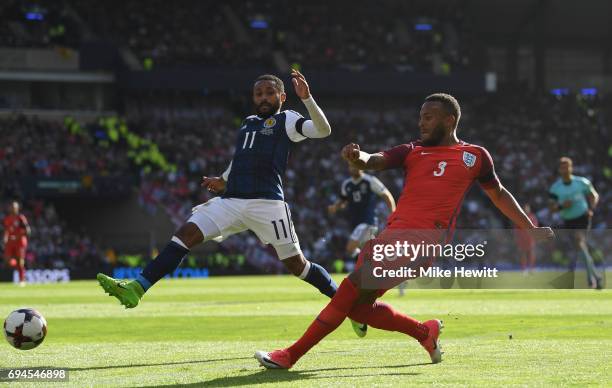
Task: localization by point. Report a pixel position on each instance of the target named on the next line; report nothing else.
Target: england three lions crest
(469, 159)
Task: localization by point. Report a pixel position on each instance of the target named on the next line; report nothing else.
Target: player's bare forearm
(593, 199)
(336, 206)
(376, 162)
(340, 204)
(362, 165)
(389, 200)
(505, 202)
(362, 160)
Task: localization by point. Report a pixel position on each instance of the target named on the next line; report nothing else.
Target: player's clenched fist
(215, 185)
(350, 152)
(542, 233)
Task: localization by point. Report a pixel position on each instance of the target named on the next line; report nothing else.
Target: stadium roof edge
(51, 76)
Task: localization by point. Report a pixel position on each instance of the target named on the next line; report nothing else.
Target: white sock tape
(305, 271)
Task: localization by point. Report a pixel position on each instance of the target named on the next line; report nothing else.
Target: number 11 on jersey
(246, 139)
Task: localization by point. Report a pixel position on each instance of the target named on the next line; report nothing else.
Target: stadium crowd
(198, 141)
(420, 35)
(43, 148)
(513, 128)
(39, 24)
(52, 244)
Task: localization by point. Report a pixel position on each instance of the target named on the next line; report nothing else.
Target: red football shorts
(15, 250)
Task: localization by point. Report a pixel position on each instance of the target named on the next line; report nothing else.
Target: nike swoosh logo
(269, 361)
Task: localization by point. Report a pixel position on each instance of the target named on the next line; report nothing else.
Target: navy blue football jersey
(361, 195)
(261, 155)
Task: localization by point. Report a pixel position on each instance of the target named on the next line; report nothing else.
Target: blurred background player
(575, 198)
(526, 243)
(16, 232)
(358, 196)
(358, 193)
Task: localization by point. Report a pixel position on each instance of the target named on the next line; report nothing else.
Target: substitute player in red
(439, 170)
(16, 232)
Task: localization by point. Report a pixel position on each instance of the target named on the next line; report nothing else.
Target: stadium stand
(195, 134)
(168, 140)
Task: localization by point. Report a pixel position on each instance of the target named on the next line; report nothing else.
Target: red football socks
(378, 315)
(382, 316)
(328, 320)
(21, 270)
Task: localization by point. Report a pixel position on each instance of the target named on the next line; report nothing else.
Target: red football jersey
(436, 181)
(15, 227)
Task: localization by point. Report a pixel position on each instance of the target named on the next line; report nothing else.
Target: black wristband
(298, 126)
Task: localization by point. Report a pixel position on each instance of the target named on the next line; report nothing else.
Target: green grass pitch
(204, 333)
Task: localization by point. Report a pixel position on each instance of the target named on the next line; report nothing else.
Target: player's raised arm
(389, 200)
(505, 202)
(381, 190)
(362, 160)
(340, 204)
(26, 226)
(317, 126)
(391, 158)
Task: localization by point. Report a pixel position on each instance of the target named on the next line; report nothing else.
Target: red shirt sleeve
(395, 156)
(486, 176)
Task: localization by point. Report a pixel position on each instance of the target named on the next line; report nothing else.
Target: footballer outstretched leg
(277, 359)
(361, 329)
(127, 292)
(432, 342)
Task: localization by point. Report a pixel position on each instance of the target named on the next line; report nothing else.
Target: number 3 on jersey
(440, 170)
(246, 140)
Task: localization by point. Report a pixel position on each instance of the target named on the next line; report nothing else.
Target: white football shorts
(363, 233)
(269, 219)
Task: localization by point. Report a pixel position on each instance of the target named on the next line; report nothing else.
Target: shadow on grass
(157, 364)
(368, 367)
(282, 376)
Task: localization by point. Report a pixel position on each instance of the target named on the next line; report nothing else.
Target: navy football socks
(172, 255)
(166, 262)
(319, 277)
